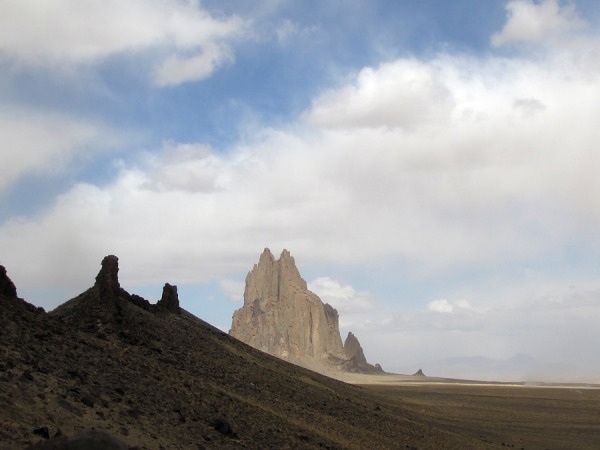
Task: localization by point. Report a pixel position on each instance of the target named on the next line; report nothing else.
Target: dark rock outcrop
(107, 281)
(170, 299)
(7, 287)
(418, 373)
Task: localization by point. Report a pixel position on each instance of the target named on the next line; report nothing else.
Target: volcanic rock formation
(7, 287)
(357, 361)
(170, 299)
(282, 317)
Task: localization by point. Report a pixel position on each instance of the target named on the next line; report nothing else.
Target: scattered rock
(43, 432)
(223, 426)
(88, 401)
(88, 440)
(26, 376)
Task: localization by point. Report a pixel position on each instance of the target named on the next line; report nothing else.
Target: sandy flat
(391, 379)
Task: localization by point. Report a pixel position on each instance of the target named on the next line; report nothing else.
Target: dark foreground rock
(87, 440)
(151, 379)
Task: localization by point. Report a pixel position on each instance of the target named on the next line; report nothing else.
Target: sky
(431, 165)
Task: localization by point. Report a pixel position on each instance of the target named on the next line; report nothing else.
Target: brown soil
(514, 416)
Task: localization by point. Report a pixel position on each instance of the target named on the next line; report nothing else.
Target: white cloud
(176, 70)
(531, 23)
(288, 31)
(233, 289)
(351, 305)
(187, 167)
(46, 143)
(445, 307)
(190, 42)
(483, 183)
(401, 94)
(440, 306)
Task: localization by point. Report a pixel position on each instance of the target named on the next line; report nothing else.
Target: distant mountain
(153, 376)
(282, 317)
(519, 367)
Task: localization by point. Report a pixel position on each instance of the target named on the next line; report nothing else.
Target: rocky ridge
(282, 317)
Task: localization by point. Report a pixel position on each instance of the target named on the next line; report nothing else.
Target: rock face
(7, 287)
(282, 317)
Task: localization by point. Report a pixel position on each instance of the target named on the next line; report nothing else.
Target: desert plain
(510, 415)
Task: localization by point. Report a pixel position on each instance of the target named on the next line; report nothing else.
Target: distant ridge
(282, 317)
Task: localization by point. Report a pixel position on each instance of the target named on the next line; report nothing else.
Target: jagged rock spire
(357, 360)
(107, 280)
(170, 299)
(7, 287)
(282, 317)
(354, 350)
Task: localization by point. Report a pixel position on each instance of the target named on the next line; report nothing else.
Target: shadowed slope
(113, 361)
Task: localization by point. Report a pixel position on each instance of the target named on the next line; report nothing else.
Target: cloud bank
(532, 23)
(185, 42)
(496, 163)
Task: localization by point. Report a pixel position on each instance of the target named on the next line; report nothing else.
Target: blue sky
(431, 165)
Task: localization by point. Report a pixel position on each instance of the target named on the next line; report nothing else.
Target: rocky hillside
(155, 377)
(282, 317)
